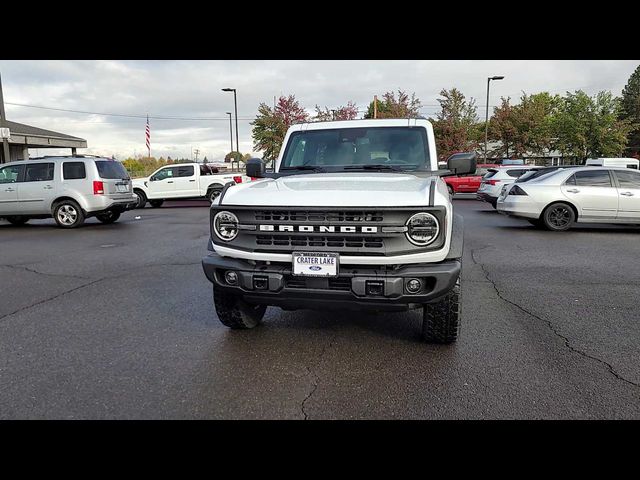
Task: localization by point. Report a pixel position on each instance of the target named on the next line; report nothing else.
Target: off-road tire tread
(441, 320)
(235, 313)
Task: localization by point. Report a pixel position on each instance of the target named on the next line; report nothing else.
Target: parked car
(181, 181)
(614, 162)
(492, 183)
(579, 194)
(69, 189)
(535, 172)
(468, 183)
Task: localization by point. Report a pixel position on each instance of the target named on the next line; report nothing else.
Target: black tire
(213, 193)
(234, 312)
(441, 320)
(558, 217)
(108, 217)
(142, 198)
(17, 220)
(156, 203)
(68, 214)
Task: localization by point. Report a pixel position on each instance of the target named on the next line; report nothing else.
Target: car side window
(73, 171)
(186, 171)
(593, 178)
(628, 179)
(39, 172)
(515, 173)
(165, 173)
(571, 180)
(10, 174)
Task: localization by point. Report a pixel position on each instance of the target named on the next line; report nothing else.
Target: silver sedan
(582, 194)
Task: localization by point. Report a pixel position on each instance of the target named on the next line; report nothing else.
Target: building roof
(28, 130)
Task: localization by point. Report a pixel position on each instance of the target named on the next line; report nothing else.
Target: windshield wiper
(394, 168)
(305, 167)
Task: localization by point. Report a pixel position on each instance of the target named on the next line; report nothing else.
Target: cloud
(192, 89)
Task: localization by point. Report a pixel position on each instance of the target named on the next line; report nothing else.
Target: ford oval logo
(315, 268)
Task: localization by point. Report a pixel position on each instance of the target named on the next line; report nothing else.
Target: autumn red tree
(271, 124)
(345, 112)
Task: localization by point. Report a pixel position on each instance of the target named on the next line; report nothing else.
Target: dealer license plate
(315, 264)
(122, 188)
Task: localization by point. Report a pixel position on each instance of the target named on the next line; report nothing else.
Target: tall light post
(230, 132)
(235, 103)
(486, 119)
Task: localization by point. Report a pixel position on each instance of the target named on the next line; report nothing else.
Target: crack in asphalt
(32, 270)
(314, 385)
(109, 277)
(549, 324)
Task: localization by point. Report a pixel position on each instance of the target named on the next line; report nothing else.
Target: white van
(614, 162)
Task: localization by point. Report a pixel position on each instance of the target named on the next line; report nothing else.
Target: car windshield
(111, 169)
(347, 149)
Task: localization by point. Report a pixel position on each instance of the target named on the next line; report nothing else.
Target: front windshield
(394, 148)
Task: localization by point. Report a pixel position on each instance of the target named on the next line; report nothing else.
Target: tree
(502, 127)
(630, 110)
(345, 112)
(270, 125)
(404, 106)
(233, 157)
(455, 125)
(246, 157)
(205, 160)
(590, 126)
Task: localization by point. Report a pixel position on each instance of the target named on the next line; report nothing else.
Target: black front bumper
(356, 287)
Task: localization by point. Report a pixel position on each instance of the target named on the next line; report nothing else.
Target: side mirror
(255, 168)
(462, 163)
(152, 179)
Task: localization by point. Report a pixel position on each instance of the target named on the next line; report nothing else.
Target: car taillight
(253, 178)
(491, 182)
(98, 187)
(237, 179)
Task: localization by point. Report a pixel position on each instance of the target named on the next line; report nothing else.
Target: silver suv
(69, 189)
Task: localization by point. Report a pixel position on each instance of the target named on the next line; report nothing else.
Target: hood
(139, 181)
(334, 190)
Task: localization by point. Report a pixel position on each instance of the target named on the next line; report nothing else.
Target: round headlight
(422, 229)
(225, 226)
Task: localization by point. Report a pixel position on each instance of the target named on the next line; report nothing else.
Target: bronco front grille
(319, 241)
(320, 216)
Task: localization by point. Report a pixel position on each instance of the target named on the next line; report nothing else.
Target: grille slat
(342, 284)
(339, 242)
(329, 216)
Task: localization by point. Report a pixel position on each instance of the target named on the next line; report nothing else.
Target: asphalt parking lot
(116, 321)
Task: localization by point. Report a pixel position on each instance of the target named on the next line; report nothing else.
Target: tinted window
(571, 180)
(186, 171)
(489, 175)
(10, 174)
(399, 146)
(73, 170)
(39, 172)
(111, 169)
(165, 173)
(628, 179)
(515, 173)
(632, 165)
(593, 178)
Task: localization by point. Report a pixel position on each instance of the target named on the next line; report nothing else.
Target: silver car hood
(333, 190)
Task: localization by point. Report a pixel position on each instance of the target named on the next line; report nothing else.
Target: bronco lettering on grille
(318, 229)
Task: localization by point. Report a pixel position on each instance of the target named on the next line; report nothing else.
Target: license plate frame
(122, 188)
(323, 269)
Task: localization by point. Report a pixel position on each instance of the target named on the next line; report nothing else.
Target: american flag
(148, 137)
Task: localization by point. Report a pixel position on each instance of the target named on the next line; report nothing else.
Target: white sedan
(582, 194)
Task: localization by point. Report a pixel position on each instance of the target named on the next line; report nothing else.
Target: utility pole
(333, 114)
(375, 106)
(3, 118)
(196, 152)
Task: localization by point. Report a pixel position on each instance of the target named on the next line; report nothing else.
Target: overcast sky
(192, 89)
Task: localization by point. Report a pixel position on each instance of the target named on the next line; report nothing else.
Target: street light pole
(486, 117)
(5, 142)
(235, 104)
(230, 132)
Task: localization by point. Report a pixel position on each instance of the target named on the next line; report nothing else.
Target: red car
(467, 183)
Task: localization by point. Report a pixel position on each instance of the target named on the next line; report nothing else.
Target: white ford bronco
(355, 216)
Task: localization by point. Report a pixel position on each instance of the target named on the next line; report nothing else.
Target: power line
(156, 117)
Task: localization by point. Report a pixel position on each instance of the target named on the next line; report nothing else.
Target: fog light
(414, 285)
(231, 277)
